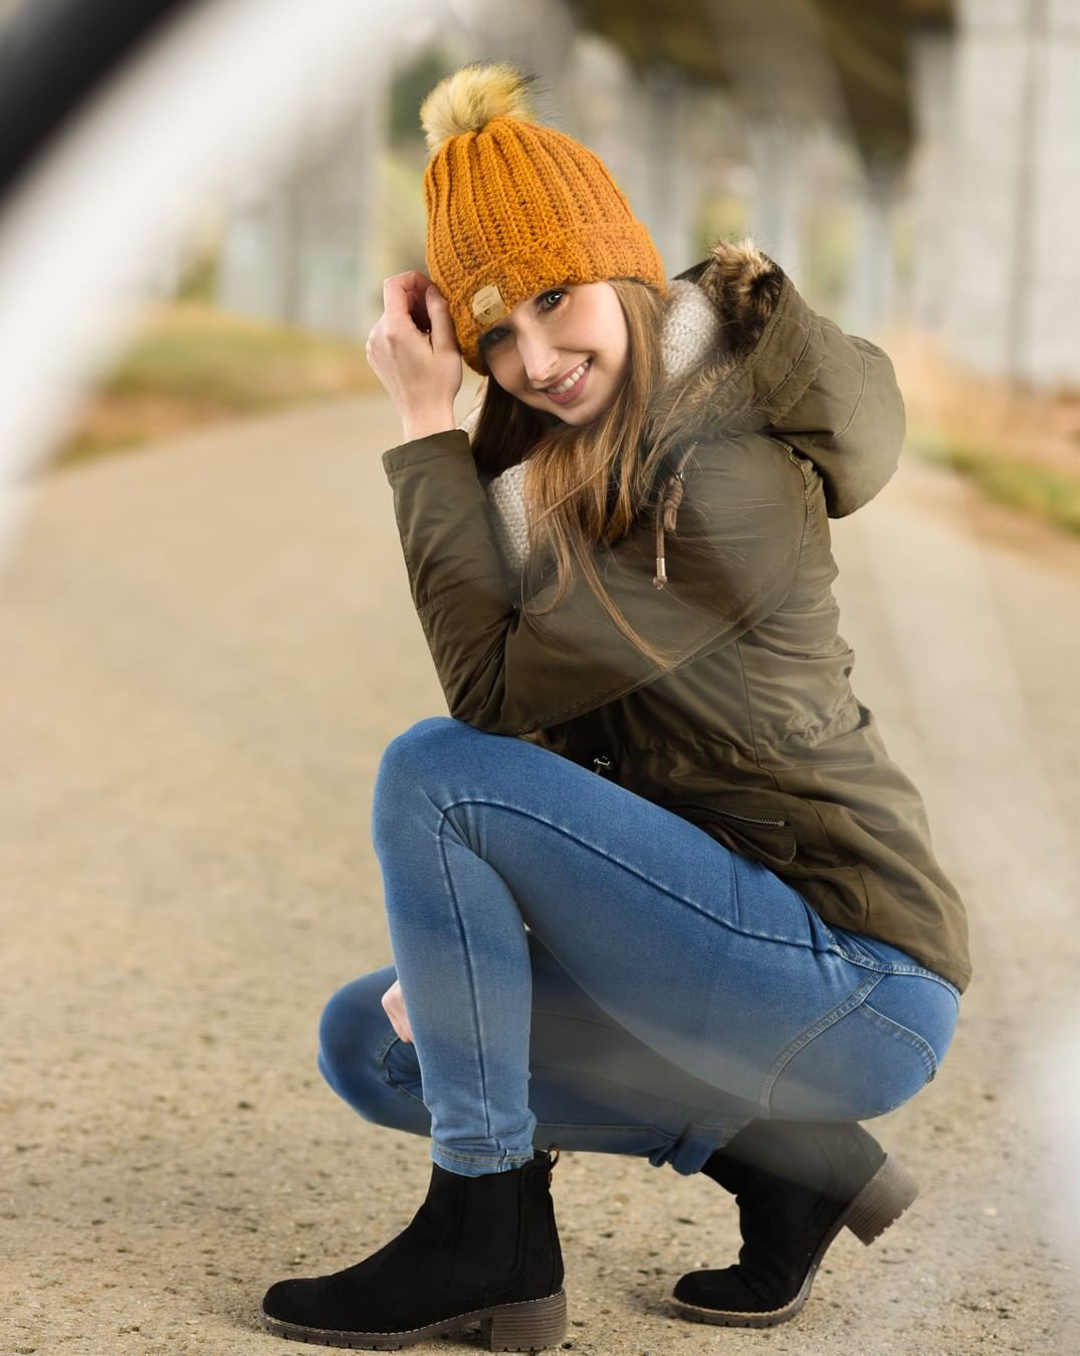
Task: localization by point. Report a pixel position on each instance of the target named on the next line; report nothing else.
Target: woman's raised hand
(394, 1005)
(413, 350)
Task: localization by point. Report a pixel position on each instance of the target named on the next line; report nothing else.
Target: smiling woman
(656, 887)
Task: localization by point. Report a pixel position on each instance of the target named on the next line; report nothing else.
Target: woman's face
(544, 340)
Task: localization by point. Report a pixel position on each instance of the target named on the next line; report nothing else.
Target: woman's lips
(565, 397)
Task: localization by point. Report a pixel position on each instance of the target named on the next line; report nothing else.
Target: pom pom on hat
(470, 98)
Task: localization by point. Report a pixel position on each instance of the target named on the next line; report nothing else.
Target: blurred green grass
(1047, 493)
(1017, 444)
(191, 364)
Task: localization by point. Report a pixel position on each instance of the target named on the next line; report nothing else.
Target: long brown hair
(585, 486)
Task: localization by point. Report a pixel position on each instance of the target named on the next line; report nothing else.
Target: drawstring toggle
(667, 512)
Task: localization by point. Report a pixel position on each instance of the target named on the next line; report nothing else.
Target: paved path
(206, 646)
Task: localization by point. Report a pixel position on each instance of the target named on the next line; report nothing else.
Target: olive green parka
(755, 736)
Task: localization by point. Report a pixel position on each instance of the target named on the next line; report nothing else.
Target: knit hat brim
(593, 255)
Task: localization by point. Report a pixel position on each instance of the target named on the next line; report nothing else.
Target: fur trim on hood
(779, 369)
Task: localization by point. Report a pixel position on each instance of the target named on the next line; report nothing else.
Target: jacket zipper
(746, 819)
(753, 819)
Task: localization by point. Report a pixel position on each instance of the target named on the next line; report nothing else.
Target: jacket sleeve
(732, 561)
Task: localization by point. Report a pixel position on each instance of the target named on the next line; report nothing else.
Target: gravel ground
(207, 645)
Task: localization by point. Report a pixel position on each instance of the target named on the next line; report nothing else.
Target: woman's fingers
(404, 296)
(412, 348)
(395, 301)
(393, 1002)
(414, 295)
(442, 327)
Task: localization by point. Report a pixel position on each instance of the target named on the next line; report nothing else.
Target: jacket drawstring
(666, 512)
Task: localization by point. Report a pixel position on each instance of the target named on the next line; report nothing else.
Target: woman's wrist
(424, 425)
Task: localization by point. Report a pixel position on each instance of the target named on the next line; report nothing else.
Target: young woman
(655, 886)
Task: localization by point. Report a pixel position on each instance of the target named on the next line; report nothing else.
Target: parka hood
(776, 367)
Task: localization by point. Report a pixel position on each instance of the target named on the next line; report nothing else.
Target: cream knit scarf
(689, 332)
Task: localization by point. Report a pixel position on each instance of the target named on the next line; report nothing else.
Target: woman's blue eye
(494, 336)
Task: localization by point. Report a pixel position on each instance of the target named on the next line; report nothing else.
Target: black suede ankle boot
(796, 1185)
(479, 1251)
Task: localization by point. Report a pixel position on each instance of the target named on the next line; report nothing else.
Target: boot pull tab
(553, 1161)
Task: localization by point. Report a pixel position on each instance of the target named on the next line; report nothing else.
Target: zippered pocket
(764, 837)
(747, 819)
(727, 814)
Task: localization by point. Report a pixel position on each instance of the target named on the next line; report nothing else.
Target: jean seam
(888, 968)
(804, 1038)
(625, 866)
(908, 1036)
(380, 1057)
(469, 976)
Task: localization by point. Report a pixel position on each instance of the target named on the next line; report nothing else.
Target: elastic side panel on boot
(487, 1249)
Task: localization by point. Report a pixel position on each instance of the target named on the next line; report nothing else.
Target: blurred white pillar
(1046, 337)
(933, 55)
(777, 150)
(301, 250)
(338, 214)
(536, 34)
(669, 187)
(871, 292)
(602, 110)
(1015, 203)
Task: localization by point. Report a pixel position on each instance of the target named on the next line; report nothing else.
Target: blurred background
(208, 638)
(913, 165)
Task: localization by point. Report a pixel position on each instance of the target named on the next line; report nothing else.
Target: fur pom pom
(468, 100)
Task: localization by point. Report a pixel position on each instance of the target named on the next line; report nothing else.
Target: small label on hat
(488, 305)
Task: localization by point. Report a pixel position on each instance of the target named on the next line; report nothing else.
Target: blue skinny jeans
(580, 965)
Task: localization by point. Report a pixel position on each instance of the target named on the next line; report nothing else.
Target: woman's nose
(541, 362)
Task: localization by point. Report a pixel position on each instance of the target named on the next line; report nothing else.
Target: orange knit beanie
(514, 207)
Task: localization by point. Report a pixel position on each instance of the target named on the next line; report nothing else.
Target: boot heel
(881, 1201)
(529, 1326)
